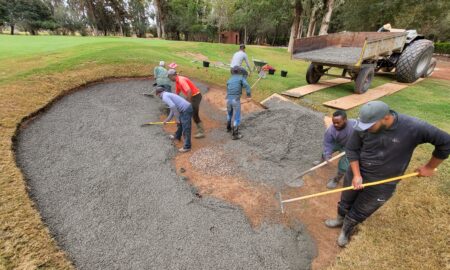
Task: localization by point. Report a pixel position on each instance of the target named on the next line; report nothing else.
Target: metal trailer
(356, 53)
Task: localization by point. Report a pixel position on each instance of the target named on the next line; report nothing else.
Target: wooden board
(351, 101)
(310, 88)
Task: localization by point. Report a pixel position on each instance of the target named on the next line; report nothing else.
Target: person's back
(161, 77)
(235, 85)
(238, 58)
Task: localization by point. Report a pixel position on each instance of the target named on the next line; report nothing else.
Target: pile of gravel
(278, 143)
(212, 161)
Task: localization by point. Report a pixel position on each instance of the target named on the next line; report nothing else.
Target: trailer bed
(346, 56)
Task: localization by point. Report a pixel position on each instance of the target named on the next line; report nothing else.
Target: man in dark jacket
(381, 147)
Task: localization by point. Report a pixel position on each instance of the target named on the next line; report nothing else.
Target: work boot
(236, 135)
(184, 150)
(200, 131)
(347, 229)
(333, 182)
(334, 222)
(229, 126)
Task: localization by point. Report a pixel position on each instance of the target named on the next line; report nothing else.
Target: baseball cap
(159, 89)
(171, 72)
(370, 113)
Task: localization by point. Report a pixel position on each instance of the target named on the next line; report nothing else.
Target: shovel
(299, 182)
(156, 123)
(282, 202)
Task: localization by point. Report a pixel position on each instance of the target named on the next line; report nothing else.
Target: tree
(298, 10)
(139, 16)
(33, 15)
(161, 7)
(327, 17)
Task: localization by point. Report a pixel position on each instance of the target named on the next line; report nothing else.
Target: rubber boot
(229, 126)
(200, 131)
(347, 229)
(236, 135)
(334, 222)
(333, 182)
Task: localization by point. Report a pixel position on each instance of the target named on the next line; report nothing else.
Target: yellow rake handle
(351, 187)
(159, 123)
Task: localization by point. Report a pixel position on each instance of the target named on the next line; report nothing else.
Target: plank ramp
(310, 88)
(351, 101)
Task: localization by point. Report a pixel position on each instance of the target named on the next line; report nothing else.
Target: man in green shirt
(160, 74)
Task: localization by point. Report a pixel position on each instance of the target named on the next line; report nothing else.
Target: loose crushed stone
(213, 161)
(109, 193)
(332, 55)
(278, 144)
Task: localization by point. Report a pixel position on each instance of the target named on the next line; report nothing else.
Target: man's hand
(425, 171)
(357, 182)
(165, 122)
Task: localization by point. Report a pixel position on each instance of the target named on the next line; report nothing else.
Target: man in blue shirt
(182, 110)
(334, 140)
(234, 92)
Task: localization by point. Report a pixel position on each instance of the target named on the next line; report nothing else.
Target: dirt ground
(258, 200)
(442, 70)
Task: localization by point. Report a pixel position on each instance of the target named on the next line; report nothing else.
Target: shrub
(442, 47)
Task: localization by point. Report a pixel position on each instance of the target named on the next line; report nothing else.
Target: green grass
(35, 69)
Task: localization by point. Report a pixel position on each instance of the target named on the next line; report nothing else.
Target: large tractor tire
(314, 73)
(430, 69)
(364, 79)
(414, 61)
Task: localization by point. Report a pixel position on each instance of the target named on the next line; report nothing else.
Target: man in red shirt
(193, 95)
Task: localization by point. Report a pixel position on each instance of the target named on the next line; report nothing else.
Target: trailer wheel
(414, 61)
(430, 69)
(362, 82)
(314, 73)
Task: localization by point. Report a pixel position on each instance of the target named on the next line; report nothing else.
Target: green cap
(370, 113)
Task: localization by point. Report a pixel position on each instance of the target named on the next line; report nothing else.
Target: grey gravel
(279, 143)
(332, 55)
(213, 161)
(109, 193)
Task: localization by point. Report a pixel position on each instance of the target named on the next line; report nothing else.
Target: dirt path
(110, 195)
(257, 196)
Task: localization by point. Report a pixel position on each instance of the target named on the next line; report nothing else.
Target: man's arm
(441, 142)
(327, 144)
(247, 87)
(173, 109)
(247, 63)
(353, 150)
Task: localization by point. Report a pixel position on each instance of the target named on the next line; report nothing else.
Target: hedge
(442, 47)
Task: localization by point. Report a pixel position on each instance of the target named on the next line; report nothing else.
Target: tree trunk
(312, 22)
(326, 18)
(295, 24)
(245, 35)
(300, 28)
(160, 18)
(12, 29)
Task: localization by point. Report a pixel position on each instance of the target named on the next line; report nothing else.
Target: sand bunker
(108, 192)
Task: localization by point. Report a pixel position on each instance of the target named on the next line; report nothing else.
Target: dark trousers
(360, 204)
(184, 128)
(195, 101)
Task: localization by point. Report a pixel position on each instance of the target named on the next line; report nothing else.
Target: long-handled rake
(157, 123)
(298, 181)
(402, 177)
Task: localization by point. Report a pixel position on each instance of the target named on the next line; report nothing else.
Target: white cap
(161, 63)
